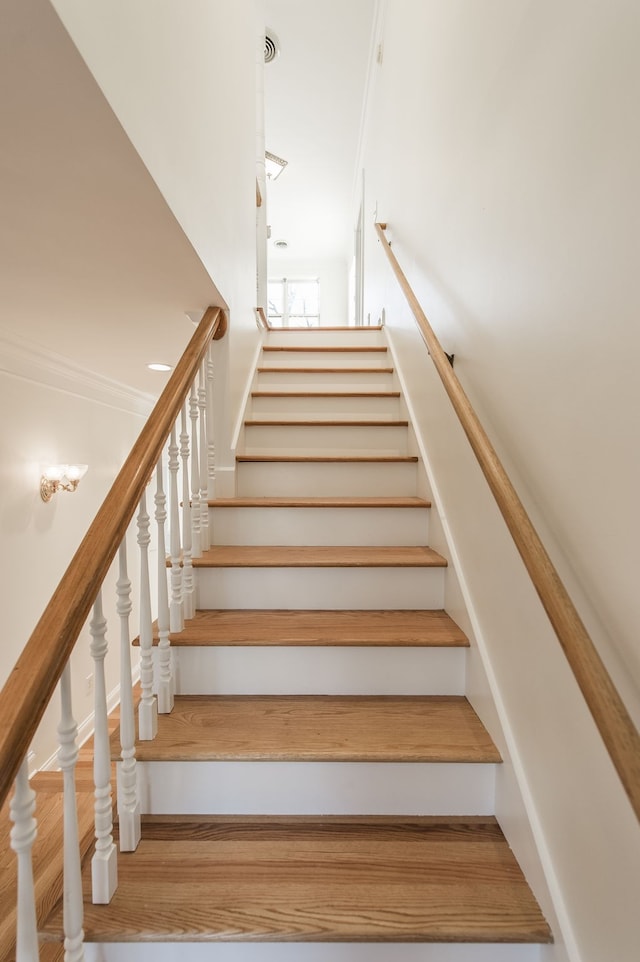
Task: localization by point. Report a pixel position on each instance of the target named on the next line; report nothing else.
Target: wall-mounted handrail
(261, 318)
(614, 723)
(32, 682)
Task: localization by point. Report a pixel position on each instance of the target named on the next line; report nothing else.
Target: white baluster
(165, 681)
(196, 542)
(67, 758)
(104, 864)
(128, 803)
(148, 708)
(188, 601)
(176, 615)
(211, 448)
(23, 834)
(205, 538)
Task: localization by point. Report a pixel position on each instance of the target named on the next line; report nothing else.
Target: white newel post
(188, 600)
(196, 541)
(205, 538)
(23, 834)
(164, 685)
(104, 864)
(128, 804)
(176, 614)
(211, 448)
(148, 708)
(67, 758)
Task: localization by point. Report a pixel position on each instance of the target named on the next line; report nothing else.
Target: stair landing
(330, 879)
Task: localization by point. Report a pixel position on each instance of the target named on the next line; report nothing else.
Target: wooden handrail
(614, 723)
(32, 682)
(262, 319)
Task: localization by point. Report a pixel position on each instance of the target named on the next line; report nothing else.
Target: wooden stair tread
(331, 502)
(319, 556)
(227, 627)
(345, 394)
(316, 422)
(324, 370)
(316, 879)
(384, 728)
(324, 349)
(326, 458)
(351, 328)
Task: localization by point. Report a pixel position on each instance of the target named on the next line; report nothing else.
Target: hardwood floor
(317, 879)
(320, 728)
(318, 556)
(426, 628)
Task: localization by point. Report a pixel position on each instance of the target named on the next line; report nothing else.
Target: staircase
(322, 777)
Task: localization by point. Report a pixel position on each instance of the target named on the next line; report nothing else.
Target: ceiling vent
(281, 245)
(271, 47)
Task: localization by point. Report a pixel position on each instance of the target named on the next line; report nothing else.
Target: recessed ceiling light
(281, 244)
(271, 46)
(156, 366)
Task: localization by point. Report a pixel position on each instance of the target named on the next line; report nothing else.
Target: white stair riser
(318, 438)
(311, 358)
(315, 788)
(362, 380)
(324, 588)
(326, 479)
(325, 407)
(321, 526)
(309, 952)
(320, 338)
(331, 670)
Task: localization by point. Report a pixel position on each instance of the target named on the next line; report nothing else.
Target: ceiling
(314, 94)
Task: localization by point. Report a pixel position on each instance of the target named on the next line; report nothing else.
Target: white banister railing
(23, 835)
(45, 659)
(164, 685)
(196, 541)
(148, 708)
(128, 802)
(176, 608)
(104, 865)
(68, 757)
(205, 541)
(188, 605)
(211, 447)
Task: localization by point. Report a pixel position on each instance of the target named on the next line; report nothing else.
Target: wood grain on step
(325, 459)
(325, 370)
(316, 422)
(332, 502)
(312, 628)
(345, 394)
(317, 880)
(385, 728)
(319, 556)
(324, 349)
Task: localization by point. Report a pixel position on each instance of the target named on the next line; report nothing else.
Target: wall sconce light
(61, 477)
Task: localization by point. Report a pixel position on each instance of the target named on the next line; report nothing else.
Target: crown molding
(24, 359)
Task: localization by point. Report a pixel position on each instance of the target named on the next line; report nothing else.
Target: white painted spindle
(211, 448)
(176, 614)
(148, 708)
(23, 834)
(196, 541)
(205, 539)
(128, 803)
(67, 758)
(188, 600)
(164, 685)
(104, 864)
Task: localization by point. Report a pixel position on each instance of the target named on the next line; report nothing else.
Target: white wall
(333, 276)
(53, 416)
(181, 78)
(502, 148)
